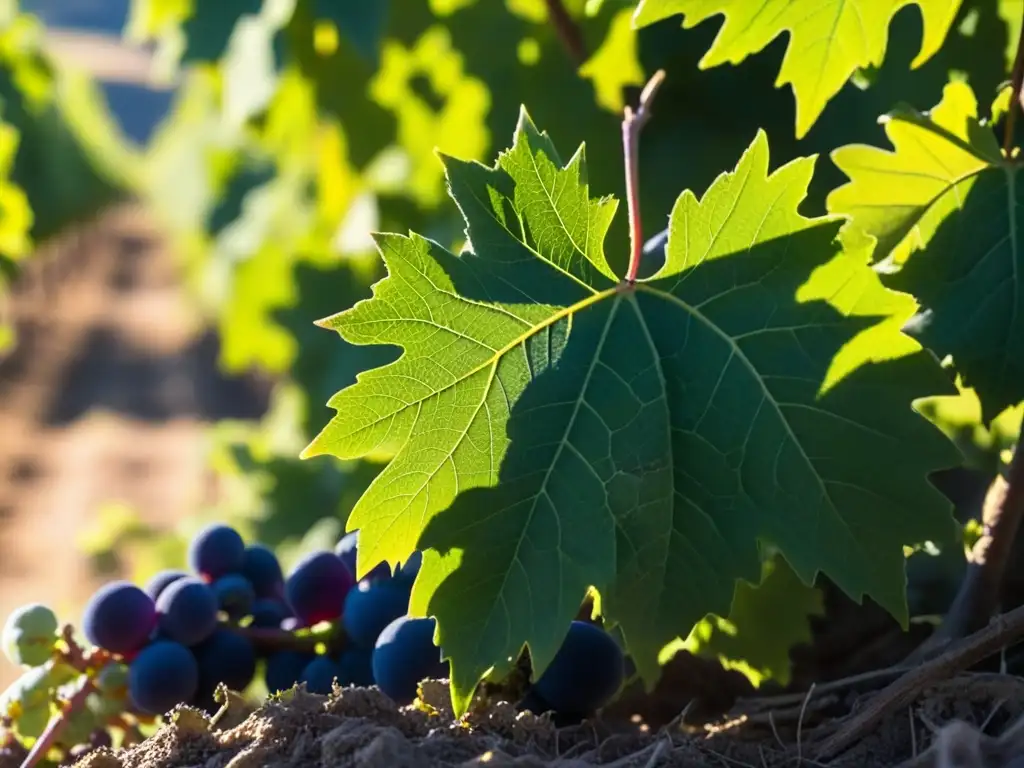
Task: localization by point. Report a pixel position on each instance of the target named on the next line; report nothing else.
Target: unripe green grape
(29, 635)
(111, 690)
(35, 688)
(30, 722)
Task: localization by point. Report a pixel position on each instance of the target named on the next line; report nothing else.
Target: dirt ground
(361, 727)
(104, 399)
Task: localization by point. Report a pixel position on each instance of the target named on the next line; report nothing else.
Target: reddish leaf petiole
(632, 123)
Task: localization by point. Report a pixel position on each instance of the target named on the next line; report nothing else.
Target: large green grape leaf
(556, 429)
(828, 40)
(944, 206)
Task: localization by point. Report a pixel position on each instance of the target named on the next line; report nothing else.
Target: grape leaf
(557, 430)
(944, 205)
(828, 40)
(766, 620)
(899, 197)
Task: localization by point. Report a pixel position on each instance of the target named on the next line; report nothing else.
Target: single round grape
(267, 612)
(161, 581)
(347, 548)
(263, 570)
(111, 690)
(404, 656)
(317, 587)
(188, 611)
(119, 617)
(29, 635)
(356, 667)
(164, 675)
(225, 657)
(284, 668)
(235, 595)
(216, 551)
(112, 679)
(406, 575)
(320, 674)
(586, 672)
(371, 607)
(32, 721)
(35, 688)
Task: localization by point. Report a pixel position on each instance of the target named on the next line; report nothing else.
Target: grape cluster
(233, 616)
(186, 632)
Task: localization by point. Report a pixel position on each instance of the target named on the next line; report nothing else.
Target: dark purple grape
(162, 676)
(320, 674)
(119, 617)
(263, 570)
(317, 587)
(269, 613)
(585, 673)
(346, 549)
(225, 657)
(216, 551)
(188, 611)
(161, 581)
(404, 656)
(371, 607)
(356, 667)
(235, 595)
(408, 571)
(284, 669)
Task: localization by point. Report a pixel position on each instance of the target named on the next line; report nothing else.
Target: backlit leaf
(945, 205)
(828, 39)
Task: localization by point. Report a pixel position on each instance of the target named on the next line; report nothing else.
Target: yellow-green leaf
(944, 205)
(828, 39)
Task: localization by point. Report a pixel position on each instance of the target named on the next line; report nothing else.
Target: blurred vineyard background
(186, 186)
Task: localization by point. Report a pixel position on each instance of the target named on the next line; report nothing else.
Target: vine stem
(568, 31)
(1016, 84)
(632, 123)
(56, 725)
(977, 599)
(268, 639)
(1005, 630)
